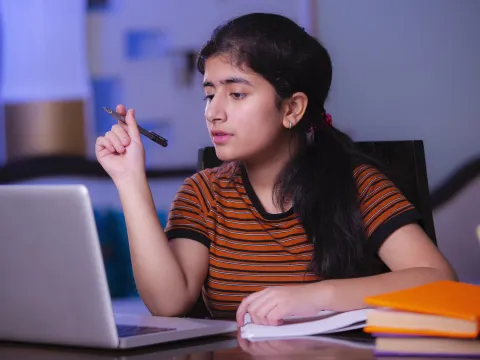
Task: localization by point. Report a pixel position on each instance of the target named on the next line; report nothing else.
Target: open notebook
(325, 322)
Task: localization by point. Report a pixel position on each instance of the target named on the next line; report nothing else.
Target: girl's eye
(208, 97)
(238, 96)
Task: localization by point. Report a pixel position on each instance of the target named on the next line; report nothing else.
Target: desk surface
(227, 347)
(230, 347)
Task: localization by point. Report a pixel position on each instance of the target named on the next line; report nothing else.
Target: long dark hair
(319, 178)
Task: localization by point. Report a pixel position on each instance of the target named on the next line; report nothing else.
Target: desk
(230, 347)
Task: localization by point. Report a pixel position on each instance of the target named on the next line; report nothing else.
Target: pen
(150, 134)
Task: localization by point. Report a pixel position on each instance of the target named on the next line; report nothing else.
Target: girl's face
(242, 117)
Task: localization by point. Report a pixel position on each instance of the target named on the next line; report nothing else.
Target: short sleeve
(383, 207)
(188, 213)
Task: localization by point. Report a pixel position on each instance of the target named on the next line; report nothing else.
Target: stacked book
(440, 319)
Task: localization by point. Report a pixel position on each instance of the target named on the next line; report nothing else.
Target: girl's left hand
(271, 305)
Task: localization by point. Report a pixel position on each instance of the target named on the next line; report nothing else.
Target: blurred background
(403, 70)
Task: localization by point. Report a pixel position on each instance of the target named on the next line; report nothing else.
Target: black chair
(405, 164)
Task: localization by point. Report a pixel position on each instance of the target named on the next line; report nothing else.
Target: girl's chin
(224, 153)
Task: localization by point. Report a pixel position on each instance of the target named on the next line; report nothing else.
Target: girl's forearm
(156, 269)
(349, 294)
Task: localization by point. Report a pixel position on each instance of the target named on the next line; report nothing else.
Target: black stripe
(254, 282)
(187, 192)
(231, 179)
(238, 187)
(208, 287)
(233, 197)
(189, 185)
(386, 182)
(223, 206)
(207, 187)
(258, 241)
(362, 172)
(189, 203)
(230, 293)
(202, 199)
(251, 220)
(262, 230)
(188, 234)
(373, 208)
(387, 228)
(368, 177)
(182, 212)
(390, 216)
(293, 230)
(256, 201)
(261, 241)
(256, 251)
(215, 257)
(273, 240)
(214, 216)
(407, 206)
(370, 187)
(269, 272)
(181, 218)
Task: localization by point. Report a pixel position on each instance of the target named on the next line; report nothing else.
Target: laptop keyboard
(133, 330)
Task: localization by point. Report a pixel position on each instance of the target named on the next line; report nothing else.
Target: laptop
(53, 285)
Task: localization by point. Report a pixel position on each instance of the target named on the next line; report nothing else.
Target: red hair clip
(328, 119)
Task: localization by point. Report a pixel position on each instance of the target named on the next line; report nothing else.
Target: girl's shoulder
(363, 171)
(217, 178)
(371, 180)
(220, 173)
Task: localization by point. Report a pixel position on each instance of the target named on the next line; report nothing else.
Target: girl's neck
(263, 173)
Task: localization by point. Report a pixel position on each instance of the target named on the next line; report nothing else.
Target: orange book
(442, 308)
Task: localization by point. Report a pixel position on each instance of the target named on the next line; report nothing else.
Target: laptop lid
(53, 283)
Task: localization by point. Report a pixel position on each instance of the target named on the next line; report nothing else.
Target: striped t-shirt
(251, 249)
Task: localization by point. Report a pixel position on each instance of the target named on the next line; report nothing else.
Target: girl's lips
(220, 137)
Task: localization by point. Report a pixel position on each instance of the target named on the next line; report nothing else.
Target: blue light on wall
(106, 92)
(146, 44)
(97, 4)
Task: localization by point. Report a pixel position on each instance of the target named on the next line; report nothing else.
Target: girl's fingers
(121, 110)
(121, 133)
(103, 143)
(115, 141)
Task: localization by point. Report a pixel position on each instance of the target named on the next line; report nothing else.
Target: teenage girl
(295, 221)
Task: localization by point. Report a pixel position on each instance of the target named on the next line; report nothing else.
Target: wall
(43, 79)
(456, 226)
(403, 69)
(407, 70)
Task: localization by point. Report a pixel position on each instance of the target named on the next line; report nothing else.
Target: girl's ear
(294, 109)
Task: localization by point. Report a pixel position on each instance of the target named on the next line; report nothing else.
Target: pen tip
(109, 111)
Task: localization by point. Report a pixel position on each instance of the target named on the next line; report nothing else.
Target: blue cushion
(109, 251)
(116, 253)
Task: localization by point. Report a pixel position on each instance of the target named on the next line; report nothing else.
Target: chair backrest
(405, 161)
